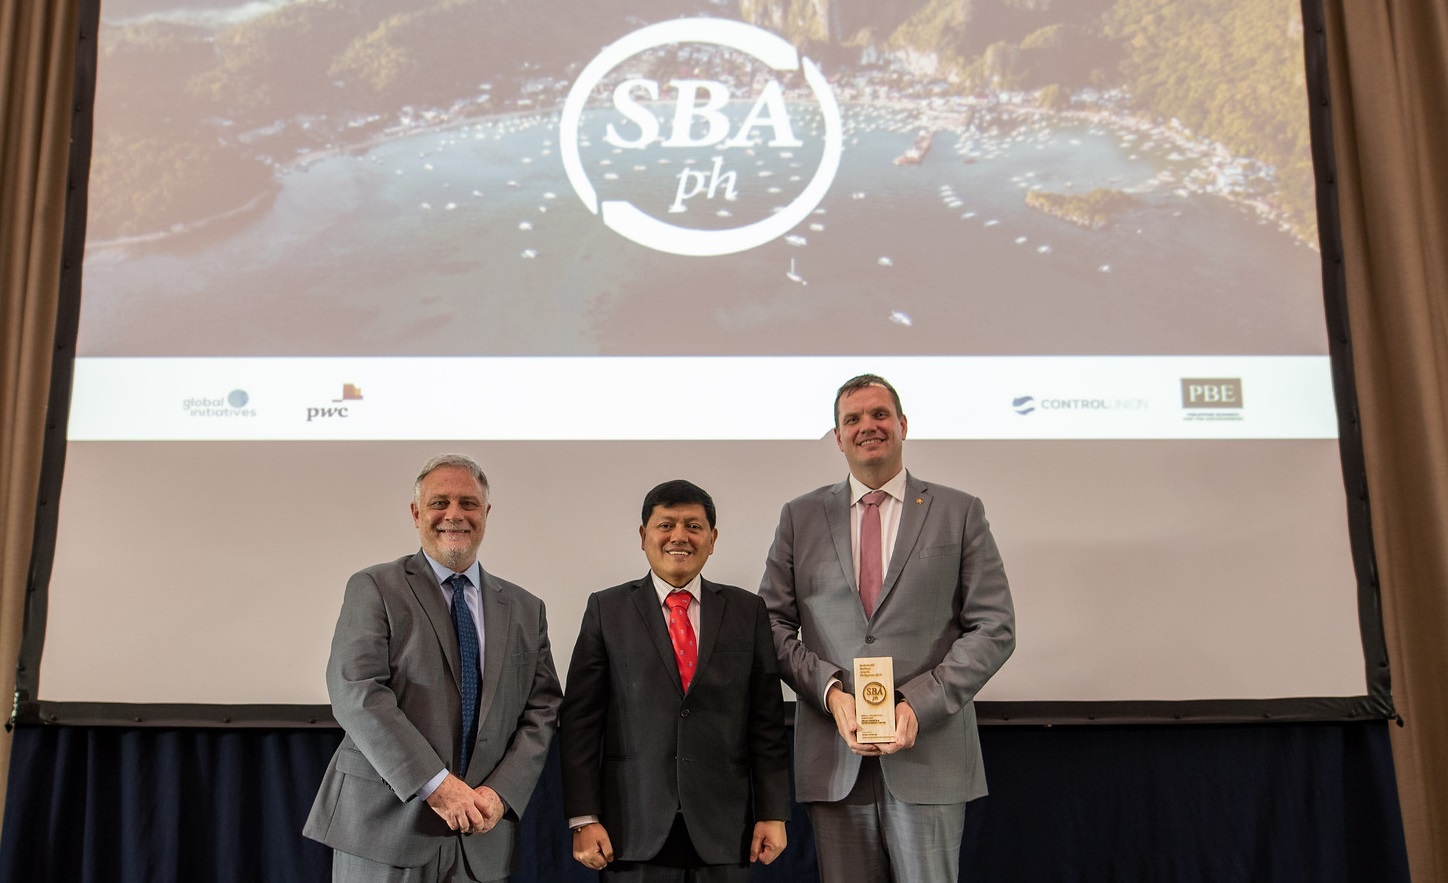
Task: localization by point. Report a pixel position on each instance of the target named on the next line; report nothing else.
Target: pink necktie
(870, 569)
(686, 650)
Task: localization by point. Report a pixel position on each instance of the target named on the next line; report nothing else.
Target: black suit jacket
(636, 748)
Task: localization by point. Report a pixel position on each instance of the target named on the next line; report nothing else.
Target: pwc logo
(351, 393)
(683, 137)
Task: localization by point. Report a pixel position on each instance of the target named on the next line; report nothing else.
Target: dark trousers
(676, 862)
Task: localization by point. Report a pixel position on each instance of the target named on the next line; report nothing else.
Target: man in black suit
(675, 764)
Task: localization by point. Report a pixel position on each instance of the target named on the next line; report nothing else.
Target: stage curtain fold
(37, 60)
(1388, 66)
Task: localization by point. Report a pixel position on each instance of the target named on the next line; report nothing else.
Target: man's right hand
(460, 806)
(842, 706)
(591, 846)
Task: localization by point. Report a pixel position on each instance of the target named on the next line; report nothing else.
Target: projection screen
(601, 245)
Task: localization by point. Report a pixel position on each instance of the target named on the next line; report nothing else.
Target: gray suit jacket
(636, 746)
(393, 679)
(944, 615)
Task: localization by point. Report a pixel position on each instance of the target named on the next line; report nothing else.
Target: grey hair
(461, 461)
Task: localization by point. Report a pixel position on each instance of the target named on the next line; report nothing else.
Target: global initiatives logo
(734, 99)
(233, 404)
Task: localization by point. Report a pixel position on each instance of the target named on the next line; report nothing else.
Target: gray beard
(455, 560)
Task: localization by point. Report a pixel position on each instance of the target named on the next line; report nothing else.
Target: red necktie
(871, 573)
(686, 649)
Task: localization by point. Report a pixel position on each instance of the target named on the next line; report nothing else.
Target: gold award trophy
(874, 699)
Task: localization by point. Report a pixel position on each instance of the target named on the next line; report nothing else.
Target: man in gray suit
(675, 759)
(885, 564)
(442, 677)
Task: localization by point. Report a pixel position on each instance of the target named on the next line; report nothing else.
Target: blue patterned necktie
(467, 632)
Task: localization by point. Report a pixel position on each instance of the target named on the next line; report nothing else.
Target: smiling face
(871, 432)
(450, 513)
(678, 540)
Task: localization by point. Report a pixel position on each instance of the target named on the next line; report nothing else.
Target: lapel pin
(918, 500)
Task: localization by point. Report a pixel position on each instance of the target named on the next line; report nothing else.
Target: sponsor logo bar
(784, 397)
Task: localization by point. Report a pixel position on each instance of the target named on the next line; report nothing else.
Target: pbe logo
(637, 129)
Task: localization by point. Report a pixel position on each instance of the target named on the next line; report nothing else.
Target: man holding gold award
(890, 610)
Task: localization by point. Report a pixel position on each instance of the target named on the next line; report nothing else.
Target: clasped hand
(466, 810)
(842, 707)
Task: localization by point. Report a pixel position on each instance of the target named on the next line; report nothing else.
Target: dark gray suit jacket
(393, 678)
(636, 747)
(944, 615)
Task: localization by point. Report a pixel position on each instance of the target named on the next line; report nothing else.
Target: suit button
(684, 713)
(869, 639)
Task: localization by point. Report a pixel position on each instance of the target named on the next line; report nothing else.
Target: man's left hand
(493, 809)
(906, 728)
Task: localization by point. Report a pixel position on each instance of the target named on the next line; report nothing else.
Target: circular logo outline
(874, 692)
(628, 220)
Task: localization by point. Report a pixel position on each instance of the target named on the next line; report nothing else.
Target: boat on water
(917, 152)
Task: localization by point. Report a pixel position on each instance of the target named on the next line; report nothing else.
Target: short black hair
(863, 381)
(678, 493)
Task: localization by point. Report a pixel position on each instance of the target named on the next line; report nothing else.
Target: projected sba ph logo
(683, 136)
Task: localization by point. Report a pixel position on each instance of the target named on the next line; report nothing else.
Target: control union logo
(722, 88)
(1029, 404)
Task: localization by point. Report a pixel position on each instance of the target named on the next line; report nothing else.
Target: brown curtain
(1388, 66)
(1388, 62)
(37, 63)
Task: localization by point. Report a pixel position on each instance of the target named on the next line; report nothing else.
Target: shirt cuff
(431, 785)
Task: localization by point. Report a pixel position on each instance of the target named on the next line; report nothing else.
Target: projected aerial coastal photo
(379, 177)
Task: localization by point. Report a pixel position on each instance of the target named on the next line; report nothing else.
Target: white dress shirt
(692, 587)
(890, 509)
(473, 595)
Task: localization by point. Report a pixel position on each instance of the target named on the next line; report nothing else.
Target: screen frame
(1377, 703)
